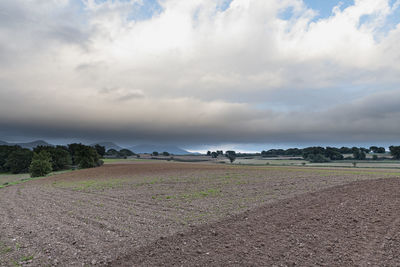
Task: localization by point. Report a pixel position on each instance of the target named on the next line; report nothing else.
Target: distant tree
(155, 153)
(165, 153)
(346, 150)
(293, 152)
(381, 150)
(112, 153)
(358, 154)
(374, 149)
(125, 153)
(365, 150)
(333, 153)
(317, 158)
(220, 152)
(19, 160)
(214, 155)
(208, 153)
(310, 152)
(395, 151)
(41, 164)
(231, 155)
(101, 150)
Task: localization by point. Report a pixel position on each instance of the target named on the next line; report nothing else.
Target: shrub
(40, 165)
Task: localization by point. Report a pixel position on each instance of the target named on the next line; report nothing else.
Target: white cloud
(194, 66)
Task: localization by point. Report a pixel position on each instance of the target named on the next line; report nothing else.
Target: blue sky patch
(325, 7)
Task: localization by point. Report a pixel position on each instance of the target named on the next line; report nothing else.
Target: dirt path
(350, 225)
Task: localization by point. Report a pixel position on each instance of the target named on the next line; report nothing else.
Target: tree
(209, 153)
(231, 155)
(84, 156)
(374, 149)
(112, 152)
(19, 160)
(41, 164)
(214, 155)
(101, 150)
(165, 153)
(395, 151)
(5, 152)
(309, 153)
(60, 156)
(358, 154)
(317, 158)
(345, 150)
(381, 150)
(155, 153)
(125, 153)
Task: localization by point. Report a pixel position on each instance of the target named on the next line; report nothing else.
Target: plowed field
(162, 213)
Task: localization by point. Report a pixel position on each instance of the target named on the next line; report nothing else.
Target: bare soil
(351, 225)
(119, 214)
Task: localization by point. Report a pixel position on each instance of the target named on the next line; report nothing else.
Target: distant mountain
(29, 145)
(109, 145)
(159, 148)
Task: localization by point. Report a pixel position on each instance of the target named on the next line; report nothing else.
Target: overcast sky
(201, 72)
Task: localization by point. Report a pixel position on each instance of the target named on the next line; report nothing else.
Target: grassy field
(8, 179)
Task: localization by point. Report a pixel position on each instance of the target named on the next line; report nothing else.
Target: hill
(159, 148)
(108, 145)
(29, 145)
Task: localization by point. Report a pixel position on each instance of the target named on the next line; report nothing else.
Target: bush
(41, 164)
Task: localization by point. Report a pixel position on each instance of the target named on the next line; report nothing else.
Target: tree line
(316, 153)
(45, 159)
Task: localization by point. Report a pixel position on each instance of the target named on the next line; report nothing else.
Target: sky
(241, 74)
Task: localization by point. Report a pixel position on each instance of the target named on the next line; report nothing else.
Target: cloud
(193, 72)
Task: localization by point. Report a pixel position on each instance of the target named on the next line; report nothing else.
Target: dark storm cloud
(361, 121)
